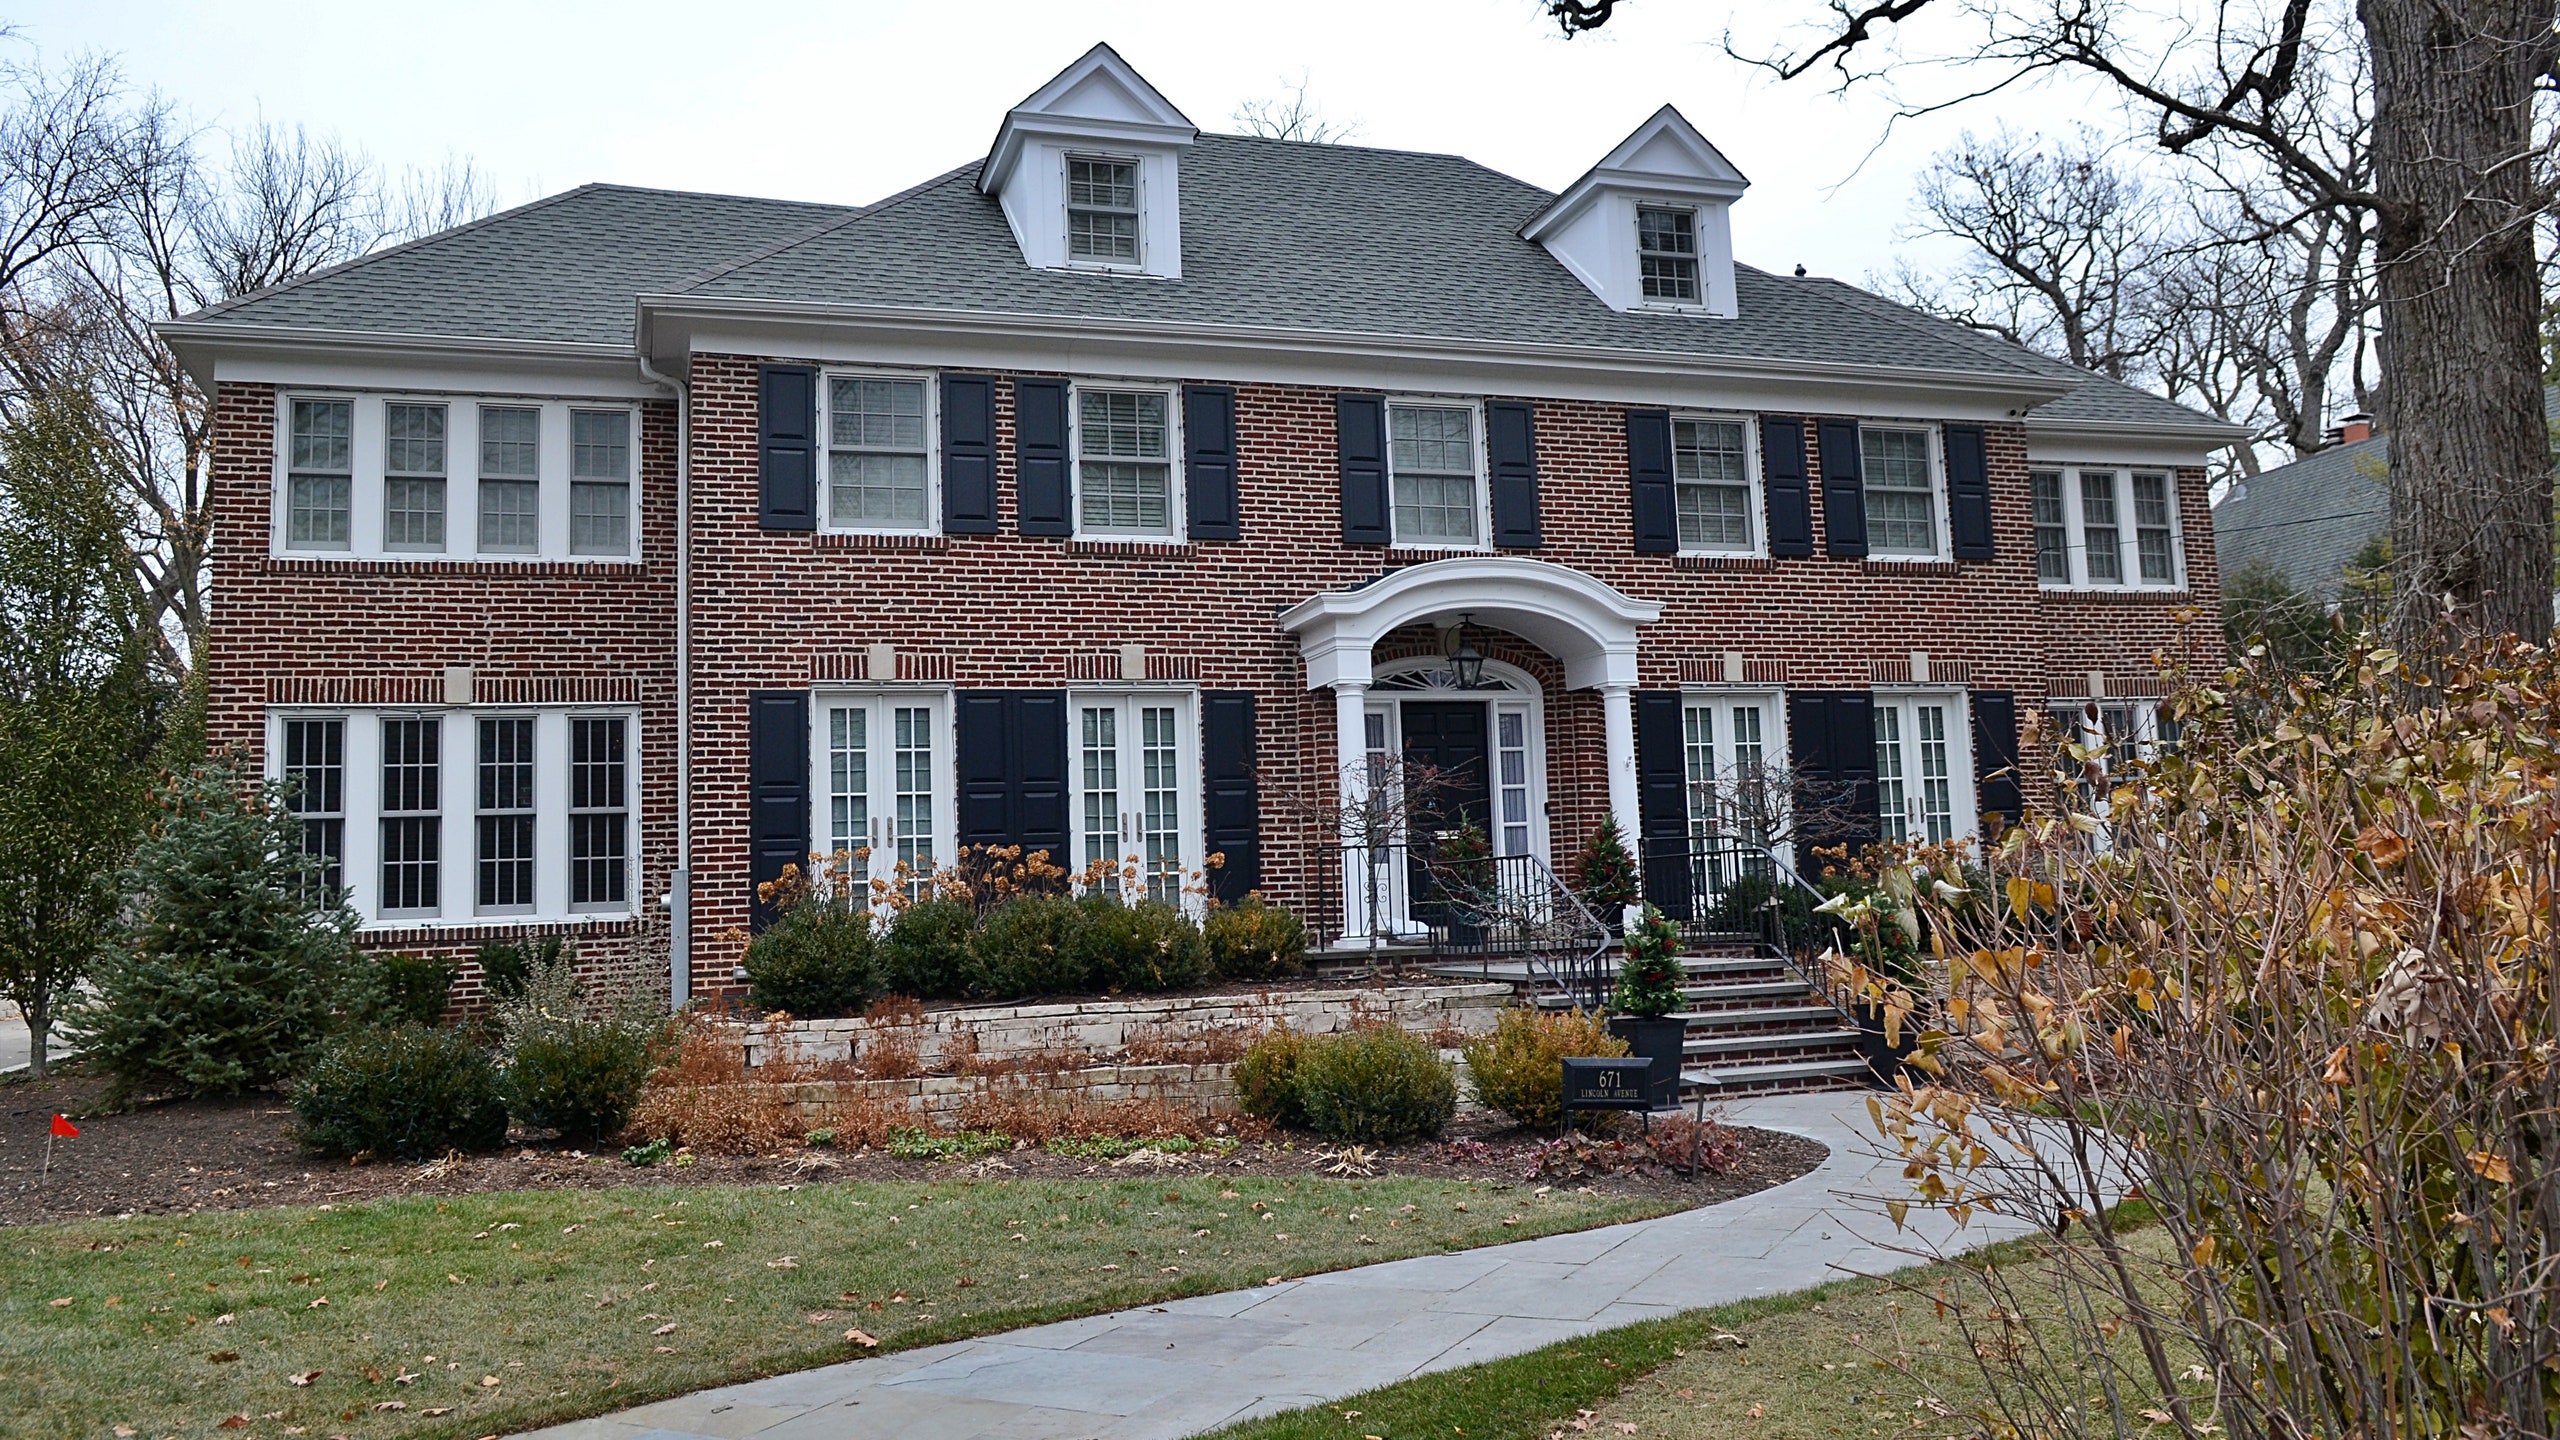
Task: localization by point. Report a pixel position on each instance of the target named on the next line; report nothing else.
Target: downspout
(679, 896)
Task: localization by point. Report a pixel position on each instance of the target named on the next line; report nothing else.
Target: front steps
(1755, 1026)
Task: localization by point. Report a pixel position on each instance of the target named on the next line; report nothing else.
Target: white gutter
(679, 897)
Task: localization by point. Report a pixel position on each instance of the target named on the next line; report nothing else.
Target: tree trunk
(2471, 489)
(39, 1027)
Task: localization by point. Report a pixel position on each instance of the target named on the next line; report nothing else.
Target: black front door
(1449, 780)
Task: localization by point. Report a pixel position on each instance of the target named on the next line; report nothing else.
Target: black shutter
(1662, 800)
(1209, 461)
(1995, 761)
(1844, 490)
(1040, 457)
(1832, 740)
(1231, 804)
(1968, 493)
(777, 791)
(1782, 483)
(1511, 442)
(1360, 428)
(787, 447)
(969, 454)
(1657, 518)
(1012, 770)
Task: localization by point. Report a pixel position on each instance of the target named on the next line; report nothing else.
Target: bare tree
(2458, 176)
(1292, 116)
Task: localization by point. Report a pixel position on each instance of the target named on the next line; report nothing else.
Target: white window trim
(1483, 458)
(457, 797)
(1068, 260)
(452, 489)
(1188, 804)
(932, 451)
(1964, 794)
(2070, 714)
(1754, 507)
(1177, 515)
(367, 430)
(2075, 537)
(1525, 696)
(946, 790)
(1940, 520)
(1697, 254)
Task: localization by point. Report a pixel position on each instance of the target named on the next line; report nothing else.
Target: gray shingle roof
(2309, 518)
(1275, 234)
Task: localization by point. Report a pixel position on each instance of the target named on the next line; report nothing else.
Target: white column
(1618, 732)
(1351, 744)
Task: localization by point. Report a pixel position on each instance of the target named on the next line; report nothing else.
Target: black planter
(1884, 1061)
(1661, 1044)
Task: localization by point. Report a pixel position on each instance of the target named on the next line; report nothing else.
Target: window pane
(2151, 528)
(321, 454)
(1102, 210)
(1100, 756)
(413, 508)
(849, 783)
(1432, 452)
(2099, 533)
(912, 732)
(1901, 492)
(876, 490)
(314, 772)
(510, 516)
(599, 812)
(412, 830)
(412, 514)
(2053, 537)
(1511, 751)
(506, 820)
(1892, 806)
(413, 439)
(316, 511)
(323, 433)
(1159, 771)
(1121, 424)
(1103, 184)
(1433, 438)
(873, 414)
(1710, 467)
(599, 519)
(600, 445)
(510, 443)
(1666, 251)
(1123, 496)
(1436, 509)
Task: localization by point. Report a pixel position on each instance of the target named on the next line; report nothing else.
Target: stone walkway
(1193, 1365)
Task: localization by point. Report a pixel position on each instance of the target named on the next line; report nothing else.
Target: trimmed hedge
(1266, 1079)
(1255, 941)
(410, 1092)
(925, 951)
(1519, 1068)
(1377, 1084)
(1027, 946)
(816, 962)
(1144, 945)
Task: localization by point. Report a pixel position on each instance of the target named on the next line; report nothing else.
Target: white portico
(1587, 625)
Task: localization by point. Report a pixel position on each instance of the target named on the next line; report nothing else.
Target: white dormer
(1088, 170)
(1649, 228)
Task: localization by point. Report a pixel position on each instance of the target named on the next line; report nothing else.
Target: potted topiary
(1604, 875)
(1649, 977)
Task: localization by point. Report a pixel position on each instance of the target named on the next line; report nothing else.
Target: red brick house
(1119, 495)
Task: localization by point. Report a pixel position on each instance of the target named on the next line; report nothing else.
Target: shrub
(579, 1080)
(1142, 945)
(1266, 1079)
(815, 962)
(231, 963)
(504, 965)
(410, 1092)
(705, 1098)
(1649, 975)
(412, 989)
(1604, 874)
(1519, 1068)
(1378, 1084)
(1026, 946)
(925, 951)
(1255, 941)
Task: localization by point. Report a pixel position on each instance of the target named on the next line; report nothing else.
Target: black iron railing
(1725, 885)
(1393, 899)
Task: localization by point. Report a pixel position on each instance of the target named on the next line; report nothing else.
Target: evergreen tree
(233, 962)
(1650, 975)
(79, 714)
(1604, 874)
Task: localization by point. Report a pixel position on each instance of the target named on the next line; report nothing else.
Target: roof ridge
(386, 252)
(711, 195)
(863, 212)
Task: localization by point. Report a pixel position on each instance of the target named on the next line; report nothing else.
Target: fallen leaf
(488, 1382)
(381, 1405)
(223, 1357)
(316, 1304)
(233, 1422)
(666, 1329)
(862, 1338)
(222, 1319)
(439, 1410)
(783, 1262)
(1626, 1427)
(715, 1244)
(305, 1378)
(126, 1432)
(58, 1304)
(456, 1279)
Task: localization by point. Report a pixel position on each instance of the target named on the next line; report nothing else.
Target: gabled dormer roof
(1666, 156)
(1099, 97)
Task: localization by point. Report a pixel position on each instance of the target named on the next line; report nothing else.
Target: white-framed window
(1924, 767)
(1667, 254)
(1734, 747)
(319, 474)
(2106, 527)
(1435, 474)
(879, 440)
(536, 808)
(1102, 210)
(510, 480)
(884, 769)
(491, 477)
(1135, 758)
(1125, 440)
(1906, 495)
(2128, 729)
(1715, 482)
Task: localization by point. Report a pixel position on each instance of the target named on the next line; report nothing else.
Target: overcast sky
(847, 102)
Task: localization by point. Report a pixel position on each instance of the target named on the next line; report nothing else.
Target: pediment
(1101, 86)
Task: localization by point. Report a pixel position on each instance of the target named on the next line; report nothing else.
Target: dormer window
(1667, 254)
(1102, 211)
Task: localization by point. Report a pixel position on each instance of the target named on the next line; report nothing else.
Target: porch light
(1466, 662)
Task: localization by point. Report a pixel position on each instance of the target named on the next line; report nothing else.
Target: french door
(1135, 758)
(1924, 768)
(884, 764)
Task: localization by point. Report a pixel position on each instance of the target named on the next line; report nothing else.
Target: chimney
(2358, 426)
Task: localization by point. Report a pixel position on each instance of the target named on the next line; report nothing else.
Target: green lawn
(510, 1310)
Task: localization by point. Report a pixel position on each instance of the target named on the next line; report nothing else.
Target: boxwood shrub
(408, 1092)
(579, 1078)
(1519, 1068)
(1142, 945)
(816, 962)
(925, 951)
(1027, 946)
(1377, 1084)
(1255, 941)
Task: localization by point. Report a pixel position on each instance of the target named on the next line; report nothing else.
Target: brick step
(1745, 992)
(1735, 966)
(1732, 1043)
(1723, 1080)
(1743, 1017)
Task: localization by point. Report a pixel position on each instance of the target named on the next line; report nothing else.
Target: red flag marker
(64, 1128)
(61, 1126)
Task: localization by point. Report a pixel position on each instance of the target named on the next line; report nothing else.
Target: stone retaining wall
(1198, 1089)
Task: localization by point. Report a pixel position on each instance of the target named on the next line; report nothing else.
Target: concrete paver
(1194, 1365)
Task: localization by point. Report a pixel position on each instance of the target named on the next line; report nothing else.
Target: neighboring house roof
(2309, 518)
(1276, 234)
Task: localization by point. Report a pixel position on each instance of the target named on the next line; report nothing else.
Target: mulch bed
(185, 1156)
